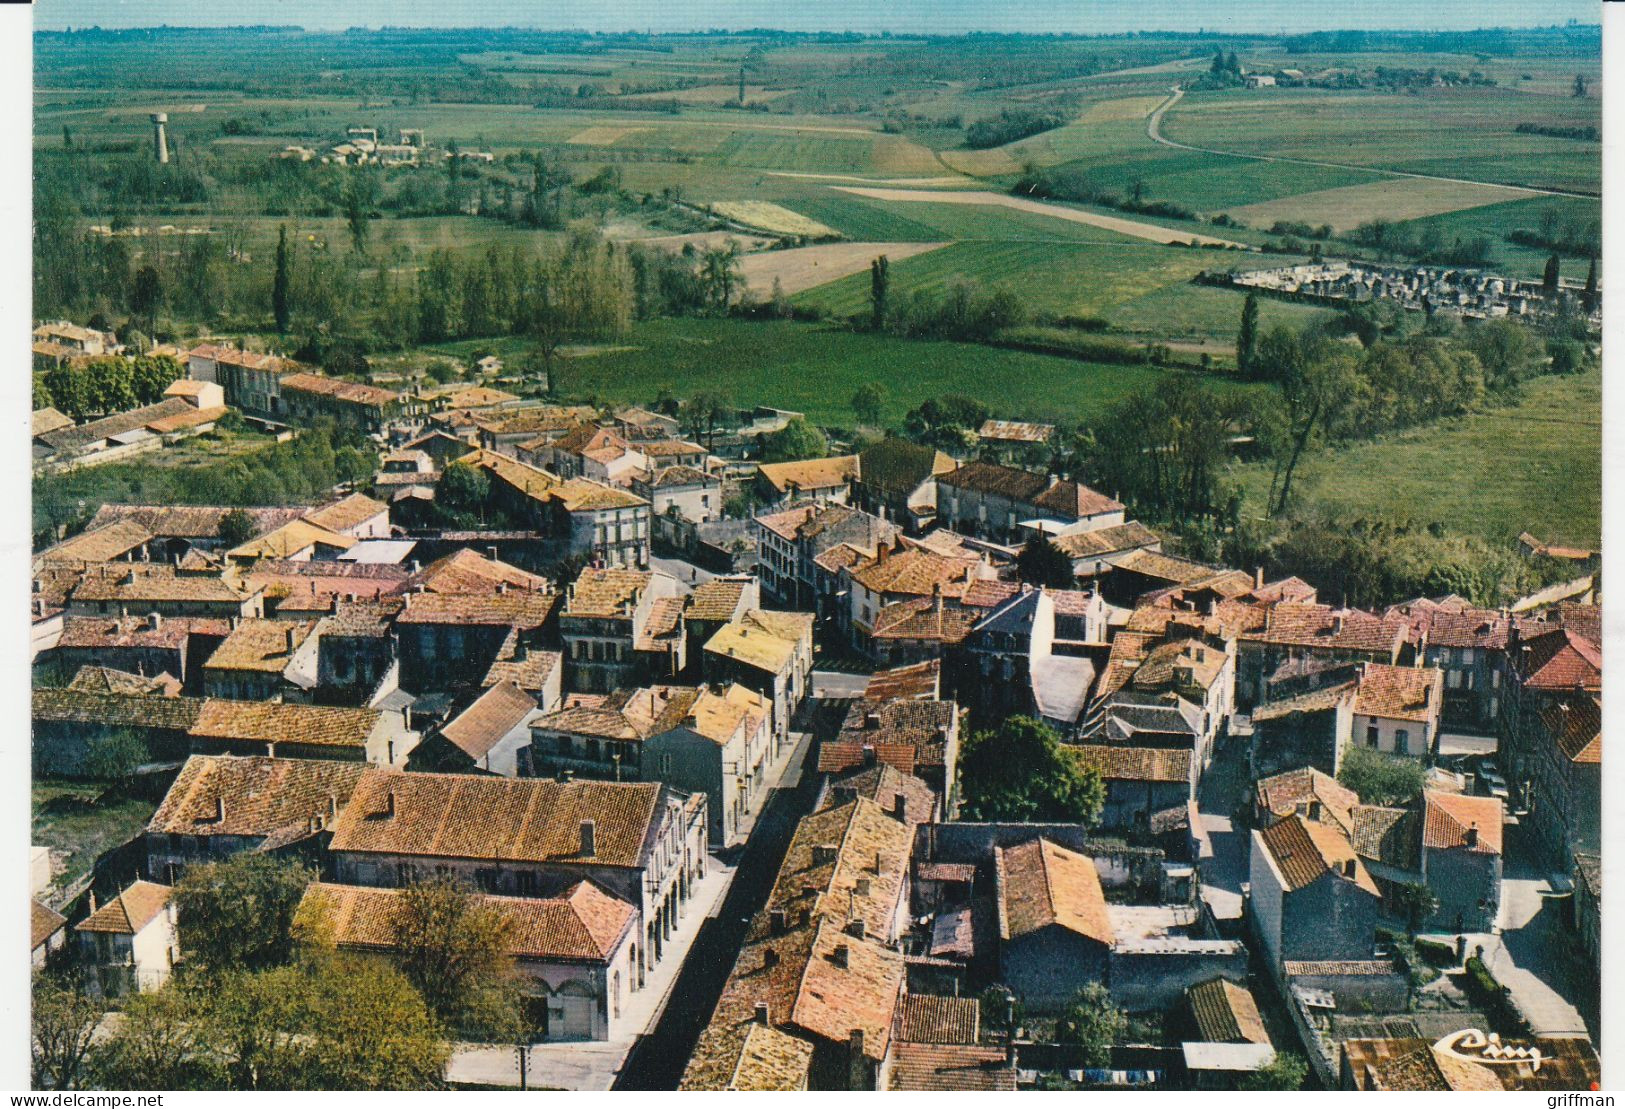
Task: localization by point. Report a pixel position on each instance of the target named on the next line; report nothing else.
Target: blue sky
(943, 16)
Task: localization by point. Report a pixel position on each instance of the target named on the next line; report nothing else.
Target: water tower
(160, 144)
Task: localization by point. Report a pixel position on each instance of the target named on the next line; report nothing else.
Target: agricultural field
(815, 369)
(1345, 208)
(1535, 466)
(808, 267)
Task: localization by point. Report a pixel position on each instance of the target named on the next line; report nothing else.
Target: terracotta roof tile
(770, 1060)
(1575, 724)
(261, 645)
(585, 924)
(347, 391)
(608, 592)
(1226, 1013)
(347, 512)
(279, 722)
(1015, 431)
(846, 863)
(100, 545)
(716, 600)
(1002, 481)
(1071, 499)
(517, 608)
(939, 1020)
(128, 583)
(257, 797)
(106, 632)
(763, 638)
(1400, 692)
(1560, 660)
(130, 911)
(1041, 883)
(811, 474)
(1347, 629)
(884, 784)
(920, 681)
(192, 521)
(916, 572)
(43, 923)
(1135, 764)
(472, 817)
(105, 679)
(67, 706)
(1292, 791)
(950, 1067)
(1303, 851)
(483, 724)
(290, 539)
(467, 571)
(1457, 820)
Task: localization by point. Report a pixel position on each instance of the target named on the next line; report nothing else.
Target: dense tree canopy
(1021, 771)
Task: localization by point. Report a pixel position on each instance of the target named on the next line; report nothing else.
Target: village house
(586, 450)
(641, 842)
(452, 639)
(1469, 645)
(124, 589)
(1547, 663)
(273, 728)
(574, 952)
(1144, 785)
(48, 934)
(225, 805)
(356, 654)
(490, 735)
(503, 431)
(769, 652)
(609, 525)
(1565, 778)
(897, 481)
(1391, 709)
(711, 605)
(298, 541)
(1026, 653)
(250, 381)
(69, 723)
(309, 398)
(1301, 632)
(1468, 1060)
(123, 434)
(78, 340)
(820, 480)
(722, 748)
(180, 529)
(916, 737)
(910, 574)
(128, 945)
(148, 645)
(357, 516)
(791, 541)
(1095, 554)
(1312, 898)
(993, 502)
(603, 735)
(265, 660)
(664, 453)
(691, 493)
(621, 627)
(1054, 932)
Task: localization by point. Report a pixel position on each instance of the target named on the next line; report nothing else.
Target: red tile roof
(1449, 821)
(129, 912)
(1041, 883)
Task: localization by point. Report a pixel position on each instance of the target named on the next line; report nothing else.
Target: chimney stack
(332, 806)
(389, 805)
(770, 958)
(1348, 868)
(841, 955)
(871, 721)
(219, 808)
(857, 1066)
(763, 1013)
(1471, 836)
(868, 754)
(856, 928)
(589, 838)
(491, 552)
(900, 808)
(861, 887)
(1258, 578)
(292, 638)
(160, 141)
(776, 922)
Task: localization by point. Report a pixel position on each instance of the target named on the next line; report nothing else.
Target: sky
(867, 16)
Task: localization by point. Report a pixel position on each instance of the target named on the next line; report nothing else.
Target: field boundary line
(1153, 131)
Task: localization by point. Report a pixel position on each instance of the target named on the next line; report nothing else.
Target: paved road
(1153, 131)
(687, 574)
(1224, 788)
(838, 684)
(657, 1060)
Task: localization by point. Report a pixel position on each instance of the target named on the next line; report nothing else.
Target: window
(526, 883)
(1466, 656)
(1402, 742)
(1370, 735)
(1452, 679)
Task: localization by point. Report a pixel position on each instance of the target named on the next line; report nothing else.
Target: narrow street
(657, 1060)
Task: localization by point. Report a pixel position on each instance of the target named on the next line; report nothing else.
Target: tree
(703, 412)
(1137, 191)
(355, 211)
(1247, 336)
(1416, 903)
(279, 282)
(1569, 356)
(238, 913)
(1319, 381)
(147, 295)
(868, 403)
(236, 528)
(463, 488)
(879, 291)
(794, 441)
(1041, 562)
(63, 1020)
(454, 947)
(1093, 1022)
(1020, 771)
(158, 1045)
(1591, 285)
(1550, 277)
(1287, 1071)
(1581, 87)
(1381, 779)
(1506, 351)
(720, 275)
(116, 755)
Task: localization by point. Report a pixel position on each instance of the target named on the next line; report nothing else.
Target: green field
(815, 369)
(1536, 466)
(1143, 287)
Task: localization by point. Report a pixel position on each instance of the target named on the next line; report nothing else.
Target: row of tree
(104, 385)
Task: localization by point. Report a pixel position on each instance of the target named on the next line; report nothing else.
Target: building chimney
(219, 808)
(1314, 810)
(861, 887)
(776, 922)
(1348, 868)
(856, 928)
(92, 901)
(155, 620)
(389, 805)
(881, 551)
(1471, 836)
(293, 639)
(823, 854)
(589, 838)
(567, 776)
(763, 1013)
(332, 806)
(871, 721)
(841, 956)
(1258, 578)
(868, 754)
(1337, 624)
(857, 1066)
(491, 553)
(770, 959)
(900, 808)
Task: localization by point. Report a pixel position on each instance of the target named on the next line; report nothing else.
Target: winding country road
(1153, 131)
